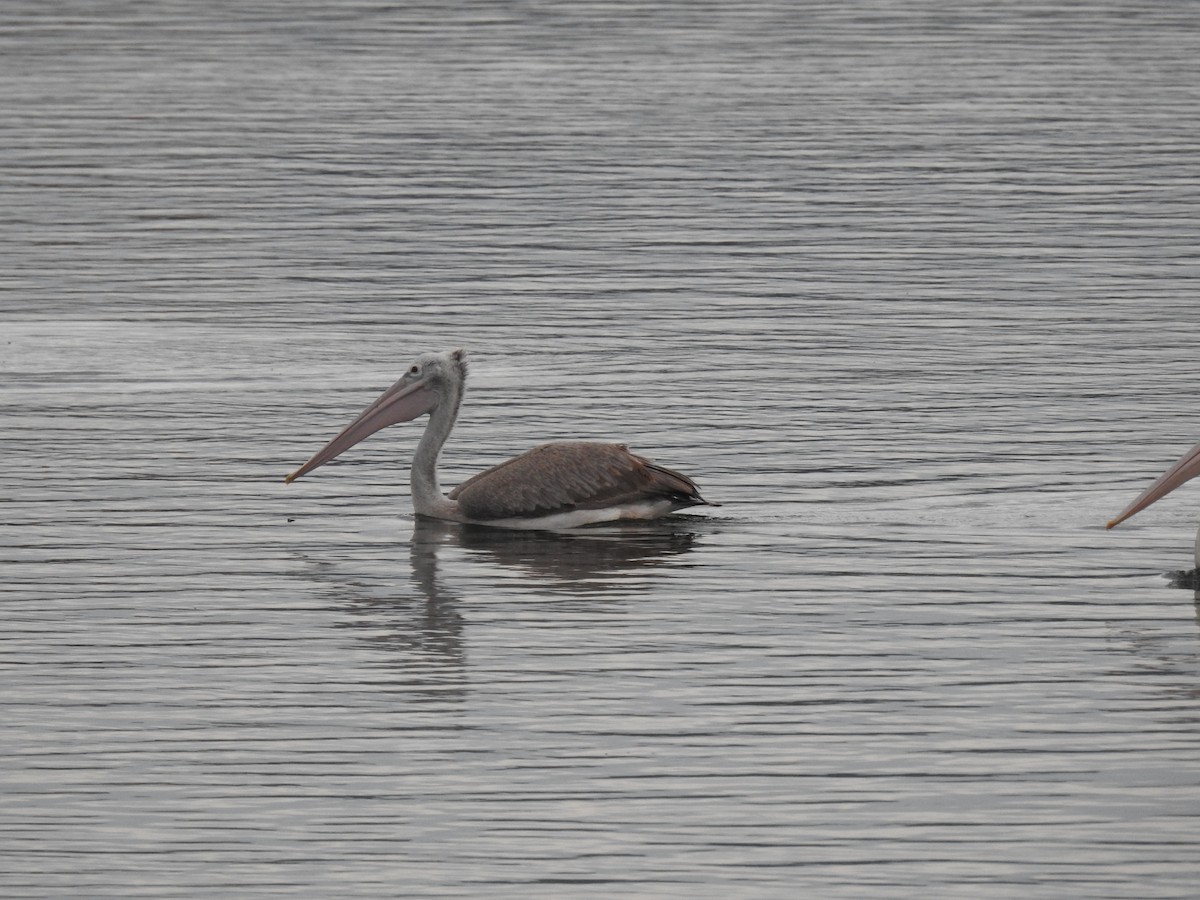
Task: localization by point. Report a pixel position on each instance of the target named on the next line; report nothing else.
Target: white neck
(427, 496)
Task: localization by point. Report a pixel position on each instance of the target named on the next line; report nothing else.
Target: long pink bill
(1187, 468)
(399, 403)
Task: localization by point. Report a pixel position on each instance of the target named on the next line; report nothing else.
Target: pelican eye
(414, 370)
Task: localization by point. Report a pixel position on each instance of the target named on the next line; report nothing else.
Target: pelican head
(1185, 469)
(433, 380)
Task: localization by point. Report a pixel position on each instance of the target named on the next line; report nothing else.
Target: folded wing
(567, 476)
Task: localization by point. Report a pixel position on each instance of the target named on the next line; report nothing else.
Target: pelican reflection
(593, 561)
(414, 614)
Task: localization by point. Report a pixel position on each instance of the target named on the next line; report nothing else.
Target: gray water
(910, 289)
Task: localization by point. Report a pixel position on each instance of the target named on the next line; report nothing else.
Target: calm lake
(911, 289)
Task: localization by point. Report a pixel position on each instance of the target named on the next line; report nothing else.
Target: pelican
(1185, 469)
(559, 485)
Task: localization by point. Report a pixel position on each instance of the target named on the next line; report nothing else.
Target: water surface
(911, 292)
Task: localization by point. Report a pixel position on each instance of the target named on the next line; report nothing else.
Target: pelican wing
(566, 476)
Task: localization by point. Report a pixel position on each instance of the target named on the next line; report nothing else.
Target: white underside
(646, 509)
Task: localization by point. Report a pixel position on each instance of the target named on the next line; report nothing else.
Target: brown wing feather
(570, 475)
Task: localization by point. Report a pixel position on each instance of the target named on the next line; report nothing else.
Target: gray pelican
(560, 485)
(1185, 469)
